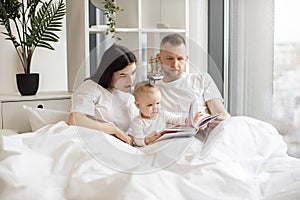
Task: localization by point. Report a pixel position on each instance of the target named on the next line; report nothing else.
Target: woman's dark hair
(115, 58)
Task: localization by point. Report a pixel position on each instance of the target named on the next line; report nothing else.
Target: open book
(189, 131)
(203, 120)
(177, 132)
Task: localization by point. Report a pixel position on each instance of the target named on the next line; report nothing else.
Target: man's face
(173, 60)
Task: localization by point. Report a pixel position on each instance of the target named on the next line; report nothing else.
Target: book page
(202, 121)
(188, 132)
(175, 130)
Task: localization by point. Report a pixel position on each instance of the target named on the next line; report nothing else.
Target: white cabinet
(141, 26)
(13, 115)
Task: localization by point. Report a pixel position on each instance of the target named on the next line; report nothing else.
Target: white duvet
(242, 158)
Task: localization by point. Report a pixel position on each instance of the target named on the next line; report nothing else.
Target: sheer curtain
(250, 60)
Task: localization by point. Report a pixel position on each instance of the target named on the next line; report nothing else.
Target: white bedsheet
(243, 158)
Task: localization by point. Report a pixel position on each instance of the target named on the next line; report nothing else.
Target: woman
(105, 103)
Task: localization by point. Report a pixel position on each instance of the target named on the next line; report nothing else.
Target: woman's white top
(100, 104)
(142, 127)
(178, 95)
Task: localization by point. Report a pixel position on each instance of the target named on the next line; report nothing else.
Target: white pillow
(39, 117)
(7, 132)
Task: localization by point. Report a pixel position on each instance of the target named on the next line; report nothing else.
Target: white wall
(77, 48)
(8, 65)
(51, 65)
(198, 22)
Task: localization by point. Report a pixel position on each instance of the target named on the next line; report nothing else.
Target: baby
(151, 121)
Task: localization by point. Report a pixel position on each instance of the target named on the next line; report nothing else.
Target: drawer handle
(40, 106)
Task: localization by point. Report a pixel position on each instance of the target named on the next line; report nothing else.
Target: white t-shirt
(142, 127)
(100, 104)
(178, 95)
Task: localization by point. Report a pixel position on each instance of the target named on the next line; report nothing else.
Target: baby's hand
(152, 137)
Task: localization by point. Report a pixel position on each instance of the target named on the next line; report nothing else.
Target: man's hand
(188, 122)
(216, 121)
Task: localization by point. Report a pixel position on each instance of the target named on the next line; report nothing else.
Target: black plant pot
(28, 84)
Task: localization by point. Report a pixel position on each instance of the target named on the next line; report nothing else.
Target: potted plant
(110, 9)
(30, 24)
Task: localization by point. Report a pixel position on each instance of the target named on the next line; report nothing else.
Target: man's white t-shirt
(142, 127)
(100, 104)
(179, 94)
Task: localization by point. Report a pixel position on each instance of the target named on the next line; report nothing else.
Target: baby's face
(149, 105)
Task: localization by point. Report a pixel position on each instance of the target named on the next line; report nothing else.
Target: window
(264, 62)
(286, 72)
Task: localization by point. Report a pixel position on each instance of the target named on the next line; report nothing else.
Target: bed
(242, 158)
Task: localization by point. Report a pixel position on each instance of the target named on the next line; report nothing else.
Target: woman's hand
(122, 136)
(80, 119)
(152, 137)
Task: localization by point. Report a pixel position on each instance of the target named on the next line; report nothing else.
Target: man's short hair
(173, 39)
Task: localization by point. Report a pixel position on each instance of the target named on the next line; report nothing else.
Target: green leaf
(35, 23)
(45, 45)
(47, 21)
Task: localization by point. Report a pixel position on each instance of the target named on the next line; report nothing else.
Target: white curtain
(250, 73)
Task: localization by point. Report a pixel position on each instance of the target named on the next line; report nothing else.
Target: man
(179, 89)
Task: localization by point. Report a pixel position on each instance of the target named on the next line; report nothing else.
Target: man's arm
(216, 106)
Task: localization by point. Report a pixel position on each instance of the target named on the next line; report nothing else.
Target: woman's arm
(80, 119)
